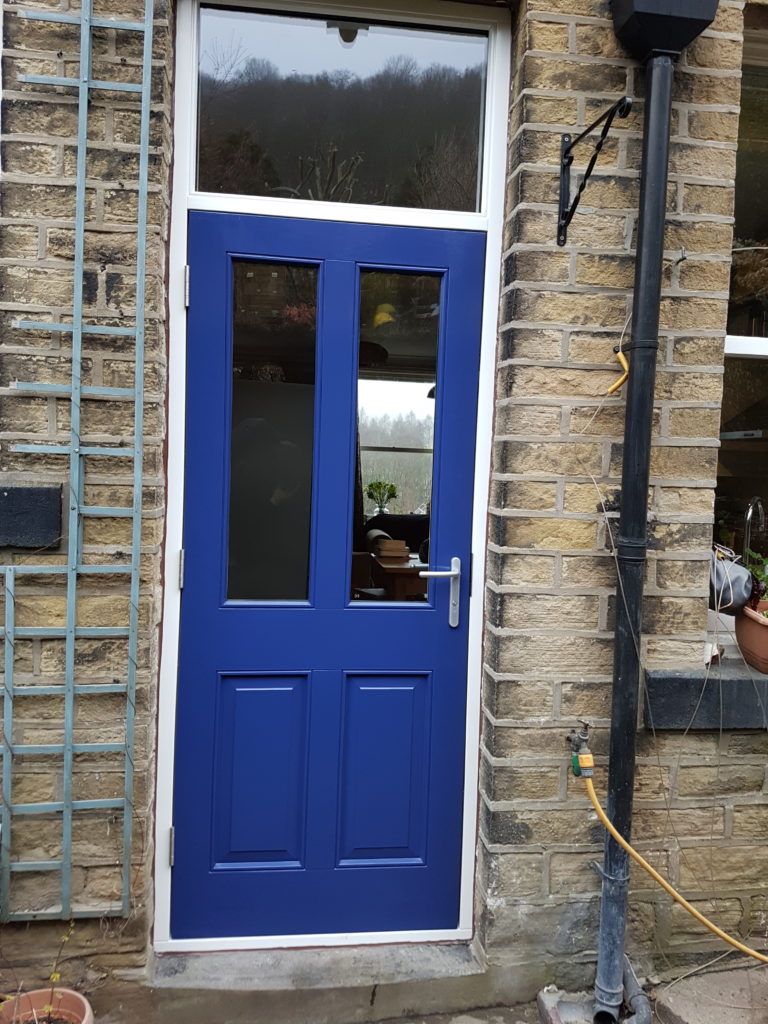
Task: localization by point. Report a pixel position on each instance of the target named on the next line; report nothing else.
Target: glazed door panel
(322, 689)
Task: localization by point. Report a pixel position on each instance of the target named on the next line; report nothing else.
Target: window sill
(730, 695)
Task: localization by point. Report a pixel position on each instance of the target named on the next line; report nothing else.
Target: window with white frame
(302, 106)
(742, 475)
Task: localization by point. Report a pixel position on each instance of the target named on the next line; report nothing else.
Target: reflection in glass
(399, 330)
(743, 451)
(273, 394)
(748, 307)
(340, 110)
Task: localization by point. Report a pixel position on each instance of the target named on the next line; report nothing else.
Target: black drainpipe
(654, 31)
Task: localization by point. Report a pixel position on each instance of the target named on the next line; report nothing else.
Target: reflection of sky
(395, 398)
(307, 46)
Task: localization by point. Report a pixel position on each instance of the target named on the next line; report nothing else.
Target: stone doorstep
(320, 967)
(353, 985)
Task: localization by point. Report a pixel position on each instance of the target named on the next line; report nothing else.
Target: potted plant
(381, 492)
(752, 620)
(51, 1005)
(46, 1006)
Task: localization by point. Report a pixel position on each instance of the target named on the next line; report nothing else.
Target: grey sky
(308, 46)
(382, 397)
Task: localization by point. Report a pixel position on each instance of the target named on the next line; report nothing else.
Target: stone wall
(701, 806)
(36, 282)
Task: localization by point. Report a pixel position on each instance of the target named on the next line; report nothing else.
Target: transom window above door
(340, 110)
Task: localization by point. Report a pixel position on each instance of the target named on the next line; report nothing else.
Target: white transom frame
(490, 220)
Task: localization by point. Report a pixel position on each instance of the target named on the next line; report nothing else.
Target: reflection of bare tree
(225, 58)
(402, 135)
(325, 177)
(236, 163)
(445, 175)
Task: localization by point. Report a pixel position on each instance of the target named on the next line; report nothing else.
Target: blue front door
(320, 734)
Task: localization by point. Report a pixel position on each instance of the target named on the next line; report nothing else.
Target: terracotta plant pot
(67, 1006)
(752, 636)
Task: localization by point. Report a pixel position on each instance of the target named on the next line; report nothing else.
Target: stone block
(546, 533)
(551, 653)
(528, 343)
(515, 875)
(714, 52)
(518, 698)
(518, 418)
(598, 41)
(554, 382)
(585, 700)
(547, 36)
(598, 570)
(576, 76)
(522, 570)
(548, 611)
(551, 457)
(684, 500)
(523, 494)
(702, 351)
(571, 873)
(606, 271)
(674, 615)
(538, 109)
(30, 158)
(673, 574)
(510, 784)
(709, 199)
(718, 780)
(726, 914)
(704, 276)
(700, 423)
(750, 821)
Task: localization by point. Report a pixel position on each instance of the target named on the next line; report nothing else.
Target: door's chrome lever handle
(454, 575)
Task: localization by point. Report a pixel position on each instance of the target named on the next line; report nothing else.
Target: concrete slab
(435, 987)
(526, 1013)
(736, 996)
(324, 1006)
(556, 1007)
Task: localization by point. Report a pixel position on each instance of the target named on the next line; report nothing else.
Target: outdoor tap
(582, 762)
(579, 741)
(752, 504)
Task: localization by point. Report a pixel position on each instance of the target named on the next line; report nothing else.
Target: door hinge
(181, 569)
(171, 846)
(186, 286)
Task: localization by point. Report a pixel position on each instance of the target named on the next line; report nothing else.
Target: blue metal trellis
(77, 511)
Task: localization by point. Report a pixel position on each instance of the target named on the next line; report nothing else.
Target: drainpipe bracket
(616, 879)
(652, 343)
(629, 550)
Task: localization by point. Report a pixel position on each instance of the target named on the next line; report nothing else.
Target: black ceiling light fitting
(648, 27)
(348, 30)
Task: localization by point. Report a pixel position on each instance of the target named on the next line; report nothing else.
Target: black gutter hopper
(655, 32)
(654, 27)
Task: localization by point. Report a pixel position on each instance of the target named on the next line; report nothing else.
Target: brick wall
(36, 281)
(555, 481)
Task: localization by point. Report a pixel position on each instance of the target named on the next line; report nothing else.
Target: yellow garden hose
(586, 764)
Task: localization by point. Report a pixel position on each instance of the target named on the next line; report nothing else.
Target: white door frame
(490, 220)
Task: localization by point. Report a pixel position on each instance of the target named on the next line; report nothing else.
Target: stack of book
(391, 550)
